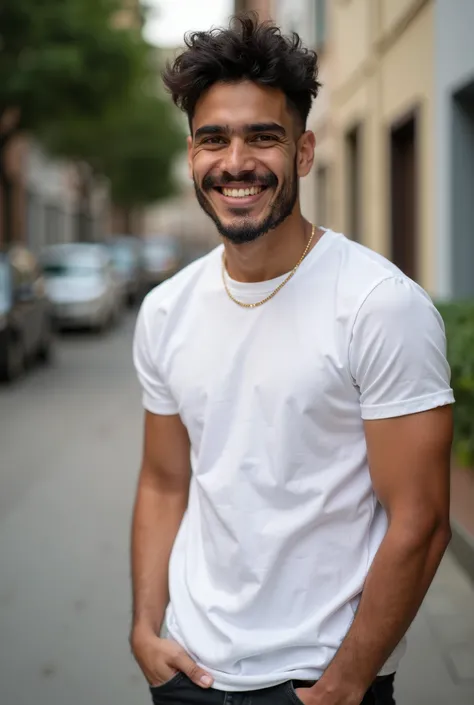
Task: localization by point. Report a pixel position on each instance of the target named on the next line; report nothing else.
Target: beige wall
(383, 58)
(264, 8)
(350, 27)
(377, 65)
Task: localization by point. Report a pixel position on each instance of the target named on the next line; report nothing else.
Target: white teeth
(241, 192)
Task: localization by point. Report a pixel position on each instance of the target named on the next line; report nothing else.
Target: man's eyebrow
(210, 130)
(207, 130)
(266, 127)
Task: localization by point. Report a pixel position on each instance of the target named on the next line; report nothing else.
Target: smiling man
(292, 506)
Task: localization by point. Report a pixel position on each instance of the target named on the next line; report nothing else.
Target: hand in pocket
(160, 660)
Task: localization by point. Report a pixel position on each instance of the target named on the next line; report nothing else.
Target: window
(462, 180)
(5, 287)
(321, 22)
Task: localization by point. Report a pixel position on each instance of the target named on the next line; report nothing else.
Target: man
(292, 505)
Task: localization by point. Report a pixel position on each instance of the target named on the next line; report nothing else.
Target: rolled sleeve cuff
(408, 406)
(159, 406)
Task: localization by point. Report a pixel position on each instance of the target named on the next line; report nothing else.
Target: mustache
(248, 177)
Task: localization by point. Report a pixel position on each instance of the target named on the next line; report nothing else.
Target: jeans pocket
(291, 691)
(173, 682)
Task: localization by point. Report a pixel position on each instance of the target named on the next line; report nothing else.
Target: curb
(462, 547)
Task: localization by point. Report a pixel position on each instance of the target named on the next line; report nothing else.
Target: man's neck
(272, 254)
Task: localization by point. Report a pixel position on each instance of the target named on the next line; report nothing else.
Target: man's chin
(240, 230)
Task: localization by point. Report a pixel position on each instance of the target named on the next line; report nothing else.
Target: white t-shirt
(282, 523)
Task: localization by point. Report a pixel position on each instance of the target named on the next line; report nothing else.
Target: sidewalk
(462, 517)
(438, 668)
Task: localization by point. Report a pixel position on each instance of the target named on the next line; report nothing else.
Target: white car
(82, 285)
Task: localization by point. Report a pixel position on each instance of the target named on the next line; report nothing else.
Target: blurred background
(96, 208)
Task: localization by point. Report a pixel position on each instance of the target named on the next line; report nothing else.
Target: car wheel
(45, 350)
(102, 324)
(15, 363)
(115, 315)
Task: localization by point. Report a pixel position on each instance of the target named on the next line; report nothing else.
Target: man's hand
(317, 695)
(304, 694)
(160, 660)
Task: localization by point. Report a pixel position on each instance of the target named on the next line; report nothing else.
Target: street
(70, 439)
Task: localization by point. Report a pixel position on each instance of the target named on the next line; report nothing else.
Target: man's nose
(237, 158)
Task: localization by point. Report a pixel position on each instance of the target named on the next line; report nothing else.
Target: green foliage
(133, 145)
(142, 142)
(63, 58)
(88, 91)
(459, 321)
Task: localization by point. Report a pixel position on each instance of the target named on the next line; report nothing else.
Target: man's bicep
(166, 453)
(409, 461)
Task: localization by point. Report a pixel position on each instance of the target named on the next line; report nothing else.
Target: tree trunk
(6, 183)
(6, 191)
(128, 221)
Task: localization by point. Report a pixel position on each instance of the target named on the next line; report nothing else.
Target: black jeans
(181, 691)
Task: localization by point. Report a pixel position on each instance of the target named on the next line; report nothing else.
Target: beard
(247, 228)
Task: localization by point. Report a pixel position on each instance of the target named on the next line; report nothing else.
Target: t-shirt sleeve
(397, 352)
(156, 396)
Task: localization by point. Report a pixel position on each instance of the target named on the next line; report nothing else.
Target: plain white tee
(283, 524)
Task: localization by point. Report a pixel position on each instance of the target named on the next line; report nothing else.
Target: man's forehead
(241, 103)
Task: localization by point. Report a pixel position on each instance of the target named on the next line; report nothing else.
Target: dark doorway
(462, 192)
(404, 196)
(354, 182)
(322, 196)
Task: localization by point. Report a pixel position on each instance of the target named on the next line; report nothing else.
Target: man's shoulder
(362, 270)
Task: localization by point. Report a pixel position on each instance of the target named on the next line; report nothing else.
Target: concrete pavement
(70, 441)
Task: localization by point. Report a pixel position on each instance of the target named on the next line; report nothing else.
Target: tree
(146, 139)
(60, 60)
(133, 145)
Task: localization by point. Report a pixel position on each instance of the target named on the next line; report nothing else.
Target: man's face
(245, 157)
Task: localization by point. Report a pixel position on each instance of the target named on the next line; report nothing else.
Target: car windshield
(72, 269)
(158, 247)
(123, 257)
(4, 287)
(159, 251)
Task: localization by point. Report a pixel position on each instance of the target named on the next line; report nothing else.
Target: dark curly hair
(246, 50)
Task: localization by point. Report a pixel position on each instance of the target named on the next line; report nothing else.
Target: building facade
(374, 171)
(454, 137)
(386, 171)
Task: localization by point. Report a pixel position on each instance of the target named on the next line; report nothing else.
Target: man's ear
(305, 157)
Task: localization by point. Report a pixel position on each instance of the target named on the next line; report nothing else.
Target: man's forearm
(156, 521)
(395, 587)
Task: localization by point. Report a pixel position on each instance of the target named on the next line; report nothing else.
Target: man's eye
(265, 138)
(213, 140)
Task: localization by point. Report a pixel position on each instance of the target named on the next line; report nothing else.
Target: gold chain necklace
(275, 291)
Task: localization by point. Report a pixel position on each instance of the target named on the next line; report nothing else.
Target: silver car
(82, 285)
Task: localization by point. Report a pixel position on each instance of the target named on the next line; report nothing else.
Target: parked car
(125, 251)
(82, 285)
(25, 313)
(161, 258)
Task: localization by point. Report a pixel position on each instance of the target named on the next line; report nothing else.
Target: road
(70, 439)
